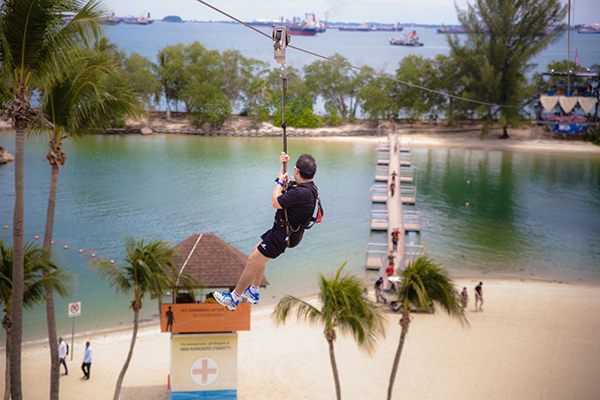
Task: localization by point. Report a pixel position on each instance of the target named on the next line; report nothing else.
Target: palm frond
(293, 306)
(113, 274)
(86, 26)
(425, 285)
(150, 269)
(343, 308)
(24, 28)
(37, 261)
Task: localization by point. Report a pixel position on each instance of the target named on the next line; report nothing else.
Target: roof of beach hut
(214, 262)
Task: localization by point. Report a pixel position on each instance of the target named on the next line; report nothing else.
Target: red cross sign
(204, 371)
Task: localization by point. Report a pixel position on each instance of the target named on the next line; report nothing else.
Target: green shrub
(332, 115)
(298, 114)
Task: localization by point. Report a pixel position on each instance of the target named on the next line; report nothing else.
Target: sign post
(74, 311)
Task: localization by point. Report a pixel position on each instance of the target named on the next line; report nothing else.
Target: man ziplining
(295, 203)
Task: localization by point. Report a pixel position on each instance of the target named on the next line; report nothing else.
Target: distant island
(172, 18)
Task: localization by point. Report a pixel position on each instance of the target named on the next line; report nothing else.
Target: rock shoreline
(239, 126)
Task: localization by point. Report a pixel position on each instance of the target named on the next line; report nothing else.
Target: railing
(379, 193)
(411, 252)
(404, 148)
(381, 173)
(408, 174)
(408, 194)
(379, 220)
(383, 156)
(376, 255)
(411, 220)
(384, 144)
(405, 158)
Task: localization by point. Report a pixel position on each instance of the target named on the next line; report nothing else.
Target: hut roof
(214, 262)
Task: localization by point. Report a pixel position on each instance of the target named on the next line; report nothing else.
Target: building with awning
(213, 261)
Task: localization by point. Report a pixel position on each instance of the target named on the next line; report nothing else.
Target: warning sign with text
(198, 318)
(204, 363)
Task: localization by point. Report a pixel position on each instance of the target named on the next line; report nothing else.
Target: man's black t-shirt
(299, 201)
(300, 204)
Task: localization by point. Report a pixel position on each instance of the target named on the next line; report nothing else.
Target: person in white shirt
(62, 354)
(87, 361)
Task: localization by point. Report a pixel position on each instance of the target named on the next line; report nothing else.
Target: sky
(384, 11)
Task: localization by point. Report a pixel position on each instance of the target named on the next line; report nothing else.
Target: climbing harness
(314, 219)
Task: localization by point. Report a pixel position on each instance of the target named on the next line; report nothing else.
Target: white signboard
(74, 309)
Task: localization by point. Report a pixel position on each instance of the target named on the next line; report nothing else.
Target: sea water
(530, 215)
(360, 48)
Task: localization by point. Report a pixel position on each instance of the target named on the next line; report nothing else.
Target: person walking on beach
(464, 297)
(479, 296)
(295, 208)
(87, 361)
(170, 319)
(62, 354)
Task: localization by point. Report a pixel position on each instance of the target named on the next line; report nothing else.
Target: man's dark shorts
(274, 241)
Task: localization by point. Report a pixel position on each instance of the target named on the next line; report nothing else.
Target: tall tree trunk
(50, 311)
(504, 133)
(336, 378)
(404, 324)
(18, 263)
(6, 325)
(136, 314)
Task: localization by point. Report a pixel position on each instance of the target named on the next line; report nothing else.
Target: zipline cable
(483, 103)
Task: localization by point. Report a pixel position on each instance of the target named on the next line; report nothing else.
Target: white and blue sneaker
(251, 297)
(226, 300)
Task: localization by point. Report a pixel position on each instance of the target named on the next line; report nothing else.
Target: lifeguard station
(203, 333)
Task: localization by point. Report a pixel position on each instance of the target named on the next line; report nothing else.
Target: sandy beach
(534, 340)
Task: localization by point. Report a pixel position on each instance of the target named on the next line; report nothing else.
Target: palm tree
(33, 36)
(150, 271)
(342, 308)
(76, 103)
(39, 275)
(423, 286)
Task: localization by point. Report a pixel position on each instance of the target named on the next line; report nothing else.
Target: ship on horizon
(592, 28)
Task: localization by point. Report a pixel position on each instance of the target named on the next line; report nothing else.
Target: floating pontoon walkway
(393, 165)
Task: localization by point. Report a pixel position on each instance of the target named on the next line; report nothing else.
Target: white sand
(534, 340)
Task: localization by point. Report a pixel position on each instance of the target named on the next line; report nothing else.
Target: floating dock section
(395, 184)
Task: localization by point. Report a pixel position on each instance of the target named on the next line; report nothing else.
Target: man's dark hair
(307, 166)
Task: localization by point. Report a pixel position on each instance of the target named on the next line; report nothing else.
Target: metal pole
(284, 93)
(569, 51)
(72, 335)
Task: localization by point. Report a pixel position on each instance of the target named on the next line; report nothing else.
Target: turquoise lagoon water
(529, 215)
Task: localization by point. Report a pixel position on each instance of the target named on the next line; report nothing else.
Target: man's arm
(282, 178)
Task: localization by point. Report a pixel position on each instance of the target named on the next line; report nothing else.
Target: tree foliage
(40, 274)
(35, 44)
(411, 101)
(343, 308)
(502, 37)
(150, 271)
(425, 286)
(376, 99)
(336, 83)
(141, 79)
